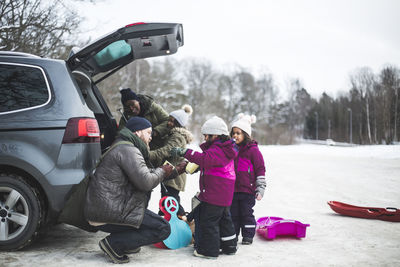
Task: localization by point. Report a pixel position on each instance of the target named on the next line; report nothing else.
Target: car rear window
(112, 53)
(22, 87)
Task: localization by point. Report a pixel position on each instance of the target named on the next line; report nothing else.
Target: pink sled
(270, 227)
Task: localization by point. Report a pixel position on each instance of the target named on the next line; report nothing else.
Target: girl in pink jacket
(250, 178)
(213, 224)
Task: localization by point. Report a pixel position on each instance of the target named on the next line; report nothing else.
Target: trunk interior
(95, 101)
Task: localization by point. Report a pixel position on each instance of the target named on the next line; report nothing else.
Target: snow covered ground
(301, 179)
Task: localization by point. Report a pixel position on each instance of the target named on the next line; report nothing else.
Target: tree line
(366, 114)
(173, 83)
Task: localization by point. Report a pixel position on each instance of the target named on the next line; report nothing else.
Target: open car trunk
(98, 60)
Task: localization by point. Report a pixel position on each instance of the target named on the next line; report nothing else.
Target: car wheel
(20, 212)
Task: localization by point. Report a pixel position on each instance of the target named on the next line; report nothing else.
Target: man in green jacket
(119, 190)
(144, 106)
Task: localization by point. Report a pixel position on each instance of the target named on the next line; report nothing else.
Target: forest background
(367, 113)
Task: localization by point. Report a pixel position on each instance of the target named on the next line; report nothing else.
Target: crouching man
(119, 191)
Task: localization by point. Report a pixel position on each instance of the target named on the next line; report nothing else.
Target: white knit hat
(215, 126)
(244, 122)
(182, 115)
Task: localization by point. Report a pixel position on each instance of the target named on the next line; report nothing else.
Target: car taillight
(81, 130)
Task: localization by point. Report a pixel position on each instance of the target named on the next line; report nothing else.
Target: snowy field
(301, 179)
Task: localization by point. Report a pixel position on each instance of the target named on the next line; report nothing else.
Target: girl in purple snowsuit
(250, 178)
(214, 229)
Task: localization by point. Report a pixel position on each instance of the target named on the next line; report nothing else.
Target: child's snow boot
(195, 253)
(247, 240)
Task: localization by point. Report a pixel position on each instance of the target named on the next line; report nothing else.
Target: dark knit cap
(137, 123)
(128, 94)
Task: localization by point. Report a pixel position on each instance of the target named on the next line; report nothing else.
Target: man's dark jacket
(118, 190)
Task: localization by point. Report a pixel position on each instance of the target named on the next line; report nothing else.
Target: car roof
(17, 54)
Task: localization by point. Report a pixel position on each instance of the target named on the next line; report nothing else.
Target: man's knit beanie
(137, 123)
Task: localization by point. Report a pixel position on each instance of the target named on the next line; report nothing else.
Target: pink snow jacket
(250, 169)
(217, 176)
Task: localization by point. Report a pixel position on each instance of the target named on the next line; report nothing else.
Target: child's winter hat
(215, 126)
(182, 115)
(244, 122)
(137, 123)
(128, 94)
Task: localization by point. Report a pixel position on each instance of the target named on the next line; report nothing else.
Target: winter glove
(178, 170)
(181, 166)
(173, 175)
(260, 187)
(177, 152)
(168, 169)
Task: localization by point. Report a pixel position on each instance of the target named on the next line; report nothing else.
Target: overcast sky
(318, 41)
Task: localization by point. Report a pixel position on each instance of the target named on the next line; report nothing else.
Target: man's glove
(176, 152)
(178, 170)
(168, 169)
(181, 166)
(173, 175)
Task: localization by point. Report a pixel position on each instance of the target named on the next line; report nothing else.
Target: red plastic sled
(384, 214)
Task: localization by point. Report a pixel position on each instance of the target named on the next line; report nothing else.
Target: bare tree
(230, 95)
(37, 27)
(200, 85)
(267, 94)
(166, 85)
(389, 82)
(363, 80)
(295, 120)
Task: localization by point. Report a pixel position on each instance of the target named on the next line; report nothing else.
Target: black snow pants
(214, 230)
(124, 238)
(242, 214)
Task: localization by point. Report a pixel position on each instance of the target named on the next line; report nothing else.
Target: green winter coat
(177, 137)
(154, 113)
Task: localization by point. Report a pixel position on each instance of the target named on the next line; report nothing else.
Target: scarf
(127, 135)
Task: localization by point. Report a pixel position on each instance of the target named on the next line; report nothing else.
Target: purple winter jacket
(249, 167)
(217, 171)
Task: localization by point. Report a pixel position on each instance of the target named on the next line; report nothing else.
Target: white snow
(301, 179)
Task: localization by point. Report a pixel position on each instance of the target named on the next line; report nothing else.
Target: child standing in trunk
(214, 229)
(250, 178)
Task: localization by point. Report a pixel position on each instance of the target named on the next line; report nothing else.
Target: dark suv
(54, 123)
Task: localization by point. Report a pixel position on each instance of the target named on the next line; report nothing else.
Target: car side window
(22, 87)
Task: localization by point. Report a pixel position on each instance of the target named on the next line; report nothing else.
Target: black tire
(20, 212)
